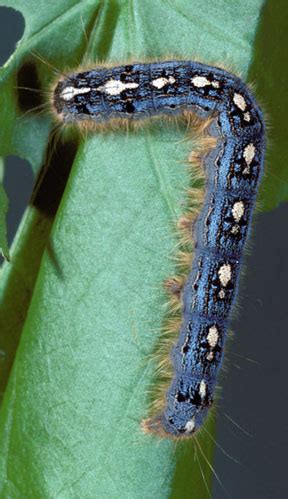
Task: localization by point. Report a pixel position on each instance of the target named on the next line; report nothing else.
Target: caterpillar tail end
(158, 426)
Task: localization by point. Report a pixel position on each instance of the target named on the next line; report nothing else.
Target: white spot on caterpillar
(247, 116)
(212, 336)
(210, 356)
(224, 274)
(235, 229)
(240, 102)
(238, 210)
(200, 81)
(115, 87)
(202, 389)
(249, 153)
(161, 82)
(69, 92)
(190, 425)
(221, 294)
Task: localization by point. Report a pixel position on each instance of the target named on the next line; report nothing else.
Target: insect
(233, 171)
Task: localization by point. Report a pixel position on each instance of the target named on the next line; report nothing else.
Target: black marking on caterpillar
(233, 171)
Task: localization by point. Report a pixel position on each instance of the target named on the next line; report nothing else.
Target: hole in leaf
(18, 184)
(11, 28)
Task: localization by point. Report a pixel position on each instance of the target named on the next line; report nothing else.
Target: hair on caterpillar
(161, 357)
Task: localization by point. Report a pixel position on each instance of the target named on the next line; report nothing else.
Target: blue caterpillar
(233, 171)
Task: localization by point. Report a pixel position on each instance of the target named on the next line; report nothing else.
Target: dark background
(252, 422)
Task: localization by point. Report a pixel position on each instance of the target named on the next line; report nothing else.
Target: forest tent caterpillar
(233, 171)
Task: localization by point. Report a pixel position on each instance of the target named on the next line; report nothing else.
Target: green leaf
(70, 419)
(3, 211)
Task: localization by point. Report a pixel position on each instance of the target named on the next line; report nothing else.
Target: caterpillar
(233, 171)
